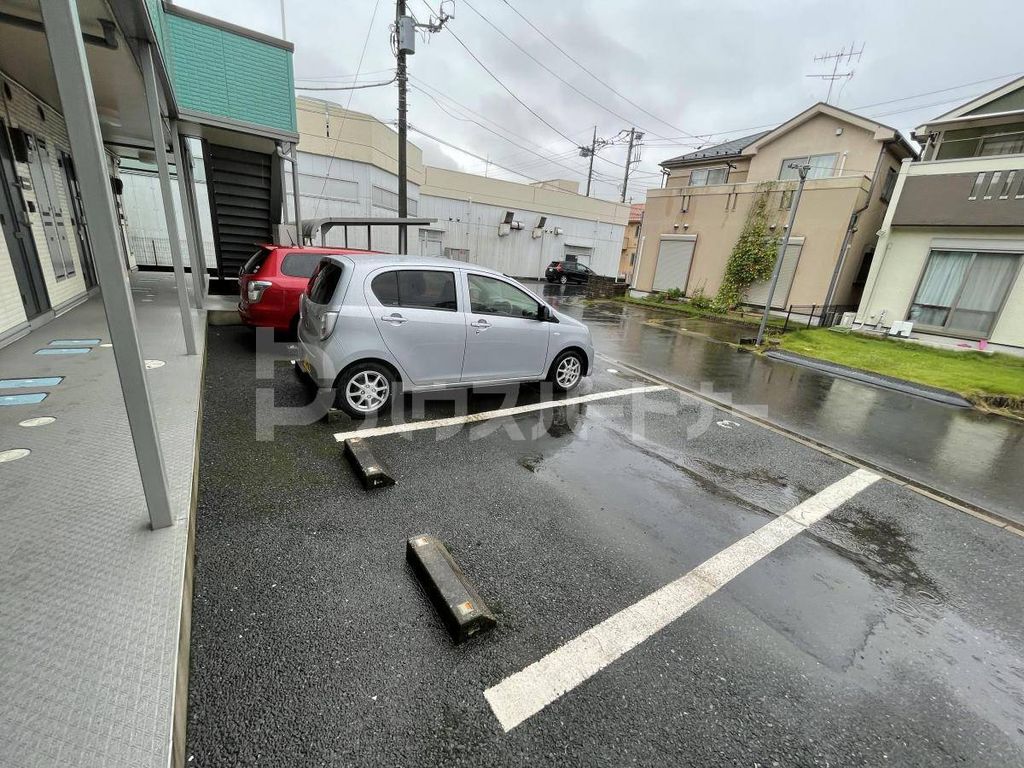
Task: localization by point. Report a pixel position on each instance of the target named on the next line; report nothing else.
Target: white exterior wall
(473, 227)
(12, 313)
(902, 254)
(147, 228)
(22, 111)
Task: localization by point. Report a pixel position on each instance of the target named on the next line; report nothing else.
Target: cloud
(718, 67)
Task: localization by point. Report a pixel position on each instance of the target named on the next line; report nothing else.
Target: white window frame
(707, 176)
(806, 160)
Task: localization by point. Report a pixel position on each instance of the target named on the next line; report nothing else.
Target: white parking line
(526, 693)
(412, 426)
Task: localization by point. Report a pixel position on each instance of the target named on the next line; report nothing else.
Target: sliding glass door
(963, 291)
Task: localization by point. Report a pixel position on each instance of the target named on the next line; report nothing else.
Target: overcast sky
(690, 68)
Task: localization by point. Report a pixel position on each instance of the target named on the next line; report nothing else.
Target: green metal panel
(225, 74)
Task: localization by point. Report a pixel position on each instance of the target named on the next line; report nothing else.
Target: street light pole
(783, 245)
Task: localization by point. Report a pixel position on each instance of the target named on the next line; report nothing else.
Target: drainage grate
(63, 351)
(46, 381)
(29, 399)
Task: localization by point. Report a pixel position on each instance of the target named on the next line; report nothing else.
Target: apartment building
(631, 242)
(691, 225)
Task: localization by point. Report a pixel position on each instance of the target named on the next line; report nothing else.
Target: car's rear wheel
(567, 371)
(365, 389)
(563, 279)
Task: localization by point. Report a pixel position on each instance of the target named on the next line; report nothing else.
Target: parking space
(886, 632)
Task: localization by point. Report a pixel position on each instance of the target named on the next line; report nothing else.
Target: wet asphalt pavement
(966, 454)
(889, 633)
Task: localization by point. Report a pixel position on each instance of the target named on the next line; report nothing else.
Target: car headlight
(255, 290)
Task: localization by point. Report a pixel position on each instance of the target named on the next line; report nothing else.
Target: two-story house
(952, 243)
(631, 241)
(692, 224)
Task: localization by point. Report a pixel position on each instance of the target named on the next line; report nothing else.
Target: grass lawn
(974, 375)
(685, 308)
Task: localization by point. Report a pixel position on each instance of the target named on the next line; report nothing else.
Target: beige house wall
(456, 185)
(330, 130)
(680, 177)
(857, 147)
(716, 215)
(630, 241)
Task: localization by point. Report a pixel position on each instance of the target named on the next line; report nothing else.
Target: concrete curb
(461, 608)
(944, 396)
(936, 494)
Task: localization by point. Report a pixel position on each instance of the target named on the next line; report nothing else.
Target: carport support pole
(64, 38)
(781, 254)
(157, 129)
(195, 255)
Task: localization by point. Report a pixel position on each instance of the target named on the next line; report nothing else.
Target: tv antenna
(842, 57)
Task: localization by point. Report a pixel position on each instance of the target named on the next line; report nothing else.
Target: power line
(504, 87)
(595, 77)
(548, 69)
(330, 163)
(877, 104)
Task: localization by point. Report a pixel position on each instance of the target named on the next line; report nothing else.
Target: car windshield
(252, 266)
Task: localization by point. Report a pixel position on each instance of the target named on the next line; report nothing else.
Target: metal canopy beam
(323, 226)
(193, 237)
(64, 38)
(157, 128)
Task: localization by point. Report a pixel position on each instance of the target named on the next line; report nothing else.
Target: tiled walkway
(90, 597)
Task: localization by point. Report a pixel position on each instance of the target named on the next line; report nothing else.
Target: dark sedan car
(567, 272)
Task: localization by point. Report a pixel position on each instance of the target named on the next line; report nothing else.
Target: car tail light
(327, 323)
(255, 289)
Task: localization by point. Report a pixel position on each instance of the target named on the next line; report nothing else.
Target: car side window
(300, 264)
(416, 289)
(385, 288)
(488, 296)
(325, 283)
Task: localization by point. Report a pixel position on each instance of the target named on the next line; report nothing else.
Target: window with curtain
(822, 167)
(706, 177)
(962, 291)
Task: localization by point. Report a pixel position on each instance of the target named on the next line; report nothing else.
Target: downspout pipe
(850, 229)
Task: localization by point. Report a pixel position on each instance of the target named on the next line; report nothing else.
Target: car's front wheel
(365, 389)
(563, 279)
(567, 371)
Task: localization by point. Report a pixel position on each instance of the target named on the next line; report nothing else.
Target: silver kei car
(374, 325)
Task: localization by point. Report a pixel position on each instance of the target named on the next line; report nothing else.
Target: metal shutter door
(674, 257)
(758, 292)
(239, 183)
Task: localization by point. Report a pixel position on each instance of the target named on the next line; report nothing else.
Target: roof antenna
(842, 57)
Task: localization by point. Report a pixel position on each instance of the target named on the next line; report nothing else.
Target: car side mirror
(545, 316)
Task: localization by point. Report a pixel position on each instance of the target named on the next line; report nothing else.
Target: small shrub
(672, 294)
(701, 301)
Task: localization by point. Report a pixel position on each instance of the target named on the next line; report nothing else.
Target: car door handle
(480, 325)
(395, 318)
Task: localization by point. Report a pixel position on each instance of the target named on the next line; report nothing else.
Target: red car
(272, 281)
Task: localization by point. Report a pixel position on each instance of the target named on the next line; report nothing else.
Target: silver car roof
(371, 261)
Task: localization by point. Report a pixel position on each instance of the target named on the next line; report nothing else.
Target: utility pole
(781, 253)
(403, 170)
(595, 146)
(635, 137)
(405, 43)
(837, 59)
